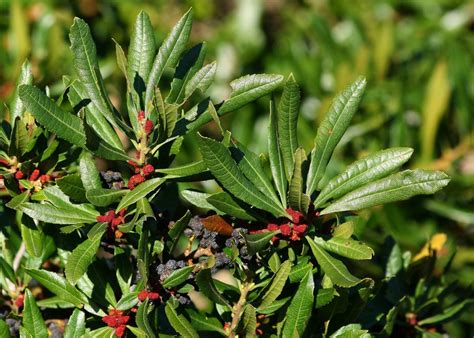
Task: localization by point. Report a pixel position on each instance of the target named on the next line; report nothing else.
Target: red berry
(153, 295)
(120, 331)
(295, 215)
(34, 175)
(285, 229)
(19, 175)
(143, 295)
(122, 212)
(117, 221)
(132, 163)
(300, 229)
(148, 127)
(19, 301)
(272, 227)
(148, 169)
(141, 115)
(45, 178)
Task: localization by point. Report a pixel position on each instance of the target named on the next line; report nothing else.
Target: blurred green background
(418, 57)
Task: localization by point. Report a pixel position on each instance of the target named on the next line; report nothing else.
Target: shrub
(117, 251)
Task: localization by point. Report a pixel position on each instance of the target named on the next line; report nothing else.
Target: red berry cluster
(141, 174)
(114, 221)
(35, 176)
(292, 231)
(116, 320)
(147, 124)
(144, 294)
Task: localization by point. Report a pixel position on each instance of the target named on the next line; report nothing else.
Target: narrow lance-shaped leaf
(207, 287)
(78, 98)
(170, 51)
(333, 267)
(179, 322)
(53, 118)
(87, 67)
(189, 64)
(89, 173)
(345, 247)
(76, 325)
(177, 277)
(59, 286)
(141, 50)
(250, 165)
(296, 198)
(275, 156)
(225, 204)
(370, 168)
(223, 167)
(245, 90)
(33, 239)
(25, 77)
(32, 320)
(300, 309)
(104, 197)
(81, 257)
(288, 110)
(139, 192)
(277, 285)
(396, 187)
(201, 80)
(142, 320)
(55, 215)
(331, 130)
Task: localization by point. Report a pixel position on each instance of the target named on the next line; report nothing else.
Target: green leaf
(199, 199)
(277, 285)
(345, 247)
(250, 165)
(299, 270)
(67, 126)
(72, 185)
(142, 320)
(226, 205)
(141, 51)
(448, 314)
(191, 169)
(59, 286)
(288, 110)
(79, 99)
(244, 90)
(300, 308)
(331, 130)
(6, 270)
(89, 173)
(4, 329)
(51, 214)
(19, 139)
(128, 301)
(179, 322)
(170, 51)
(275, 306)
(351, 331)
(177, 277)
(332, 267)
(105, 197)
(344, 230)
(275, 156)
(259, 242)
(87, 67)
(140, 191)
(189, 64)
(249, 321)
(396, 187)
(33, 239)
(219, 161)
(370, 168)
(202, 323)
(25, 77)
(201, 80)
(324, 297)
(81, 257)
(208, 288)
(76, 325)
(296, 199)
(32, 319)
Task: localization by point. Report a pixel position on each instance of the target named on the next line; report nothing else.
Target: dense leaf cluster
(272, 256)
